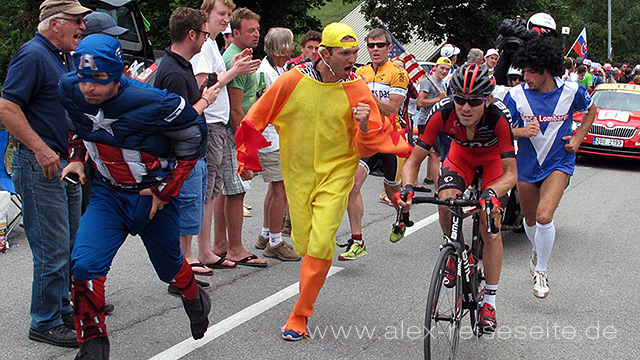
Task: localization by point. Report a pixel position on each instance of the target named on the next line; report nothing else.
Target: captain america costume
(540, 155)
(139, 138)
(131, 146)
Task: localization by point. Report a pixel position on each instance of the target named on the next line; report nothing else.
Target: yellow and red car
(615, 130)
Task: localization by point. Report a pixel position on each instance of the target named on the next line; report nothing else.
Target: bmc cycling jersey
(540, 155)
(491, 142)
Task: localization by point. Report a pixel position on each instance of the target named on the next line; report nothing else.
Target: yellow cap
(333, 34)
(443, 60)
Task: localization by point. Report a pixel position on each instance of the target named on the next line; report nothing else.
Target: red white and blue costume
(139, 138)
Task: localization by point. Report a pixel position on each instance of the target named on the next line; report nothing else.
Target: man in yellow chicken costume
(327, 119)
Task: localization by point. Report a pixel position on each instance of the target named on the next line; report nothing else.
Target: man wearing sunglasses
(188, 33)
(481, 137)
(388, 83)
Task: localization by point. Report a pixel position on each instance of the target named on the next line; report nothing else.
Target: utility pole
(609, 48)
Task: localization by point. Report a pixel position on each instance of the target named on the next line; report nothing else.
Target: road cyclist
(481, 137)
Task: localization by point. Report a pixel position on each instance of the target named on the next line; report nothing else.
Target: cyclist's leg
(492, 171)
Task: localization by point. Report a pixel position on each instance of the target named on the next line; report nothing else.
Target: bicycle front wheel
(444, 309)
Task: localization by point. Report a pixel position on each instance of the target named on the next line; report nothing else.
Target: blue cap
(99, 53)
(98, 22)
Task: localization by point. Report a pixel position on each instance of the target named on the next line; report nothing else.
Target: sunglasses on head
(379, 45)
(76, 20)
(461, 100)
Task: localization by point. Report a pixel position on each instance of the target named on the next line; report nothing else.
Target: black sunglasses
(516, 77)
(379, 45)
(473, 102)
(76, 20)
(206, 33)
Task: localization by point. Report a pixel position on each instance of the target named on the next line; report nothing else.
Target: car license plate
(608, 142)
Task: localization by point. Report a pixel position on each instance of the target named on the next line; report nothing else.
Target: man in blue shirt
(175, 74)
(30, 109)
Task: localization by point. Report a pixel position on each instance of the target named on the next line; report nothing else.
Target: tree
(18, 22)
(474, 23)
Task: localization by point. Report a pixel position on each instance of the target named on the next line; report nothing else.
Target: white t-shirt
(207, 61)
(271, 73)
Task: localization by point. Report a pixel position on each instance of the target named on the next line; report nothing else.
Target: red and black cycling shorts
(459, 168)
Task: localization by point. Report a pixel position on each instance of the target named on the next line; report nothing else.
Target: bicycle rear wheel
(444, 311)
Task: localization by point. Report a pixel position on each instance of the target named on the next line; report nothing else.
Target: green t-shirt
(247, 83)
(586, 80)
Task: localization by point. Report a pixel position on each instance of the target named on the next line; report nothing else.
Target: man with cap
(30, 109)
(101, 23)
(325, 149)
(450, 51)
(491, 58)
(144, 143)
(608, 73)
(432, 89)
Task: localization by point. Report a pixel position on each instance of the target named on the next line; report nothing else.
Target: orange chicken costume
(320, 146)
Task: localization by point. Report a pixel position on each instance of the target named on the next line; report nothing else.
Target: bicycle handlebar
(445, 202)
(453, 202)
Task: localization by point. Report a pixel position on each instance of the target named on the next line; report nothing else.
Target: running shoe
(487, 322)
(397, 233)
(354, 251)
(540, 284)
(246, 212)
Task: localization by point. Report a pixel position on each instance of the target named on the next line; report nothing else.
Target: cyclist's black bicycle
(449, 301)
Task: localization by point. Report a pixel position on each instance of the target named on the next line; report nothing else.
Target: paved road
(373, 308)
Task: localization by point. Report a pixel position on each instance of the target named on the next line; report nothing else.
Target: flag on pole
(580, 45)
(416, 72)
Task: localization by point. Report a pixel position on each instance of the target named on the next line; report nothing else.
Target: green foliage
(18, 23)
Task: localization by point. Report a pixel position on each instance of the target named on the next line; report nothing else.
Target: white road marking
(420, 224)
(187, 346)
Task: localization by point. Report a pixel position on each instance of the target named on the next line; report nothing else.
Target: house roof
(420, 49)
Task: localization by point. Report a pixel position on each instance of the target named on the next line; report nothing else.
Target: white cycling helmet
(514, 71)
(542, 20)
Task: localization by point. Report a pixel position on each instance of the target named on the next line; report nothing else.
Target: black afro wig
(540, 54)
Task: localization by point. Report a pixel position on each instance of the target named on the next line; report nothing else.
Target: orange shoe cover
(313, 273)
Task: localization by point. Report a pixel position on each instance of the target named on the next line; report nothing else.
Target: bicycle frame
(468, 276)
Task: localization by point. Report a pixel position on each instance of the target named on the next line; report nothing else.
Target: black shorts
(391, 167)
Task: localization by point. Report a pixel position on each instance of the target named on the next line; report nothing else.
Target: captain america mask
(99, 53)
